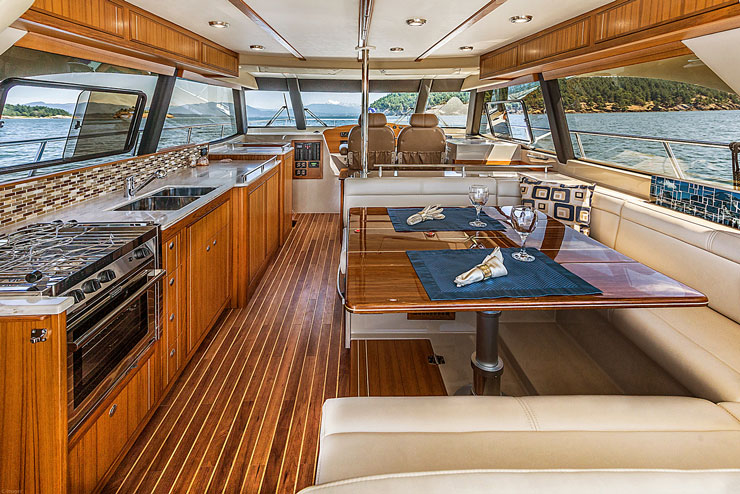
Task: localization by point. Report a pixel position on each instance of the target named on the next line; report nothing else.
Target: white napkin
(491, 267)
(428, 213)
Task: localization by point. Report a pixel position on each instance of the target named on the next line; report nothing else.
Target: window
(398, 107)
(44, 116)
(451, 108)
(269, 108)
(331, 109)
(661, 103)
(531, 93)
(198, 113)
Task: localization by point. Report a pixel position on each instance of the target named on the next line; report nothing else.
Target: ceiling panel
(316, 28)
(495, 30)
(389, 29)
(192, 15)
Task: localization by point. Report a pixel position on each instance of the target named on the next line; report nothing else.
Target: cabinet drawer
(171, 252)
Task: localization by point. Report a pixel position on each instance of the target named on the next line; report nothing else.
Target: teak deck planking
(244, 415)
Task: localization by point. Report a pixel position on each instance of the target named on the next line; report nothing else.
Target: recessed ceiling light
(520, 19)
(416, 21)
(256, 47)
(397, 49)
(218, 24)
(466, 48)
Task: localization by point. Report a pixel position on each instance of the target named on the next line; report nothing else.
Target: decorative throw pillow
(570, 204)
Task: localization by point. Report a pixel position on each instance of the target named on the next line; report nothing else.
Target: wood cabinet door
(199, 282)
(287, 193)
(273, 214)
(257, 230)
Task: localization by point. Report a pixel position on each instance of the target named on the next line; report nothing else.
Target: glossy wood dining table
(381, 278)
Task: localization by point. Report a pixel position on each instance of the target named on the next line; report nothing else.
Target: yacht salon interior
(333, 246)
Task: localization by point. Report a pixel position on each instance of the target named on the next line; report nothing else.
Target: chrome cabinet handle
(172, 281)
(112, 410)
(172, 245)
(214, 242)
(172, 317)
(208, 248)
(172, 352)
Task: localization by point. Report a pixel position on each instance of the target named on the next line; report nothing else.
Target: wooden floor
(244, 415)
(394, 368)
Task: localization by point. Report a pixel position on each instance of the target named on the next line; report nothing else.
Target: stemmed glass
(478, 195)
(524, 221)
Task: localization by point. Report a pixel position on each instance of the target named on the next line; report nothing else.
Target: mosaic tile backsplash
(26, 200)
(704, 201)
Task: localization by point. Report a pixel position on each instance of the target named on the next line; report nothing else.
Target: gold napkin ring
(486, 270)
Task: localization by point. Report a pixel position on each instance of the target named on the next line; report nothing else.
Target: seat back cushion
(381, 143)
(423, 142)
(423, 191)
(697, 253)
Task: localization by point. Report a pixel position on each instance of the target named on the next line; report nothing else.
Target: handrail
(664, 141)
(463, 168)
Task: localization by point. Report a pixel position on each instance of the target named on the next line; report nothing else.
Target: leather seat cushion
(380, 436)
(552, 482)
(698, 346)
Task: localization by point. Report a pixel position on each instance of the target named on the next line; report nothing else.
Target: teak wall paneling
(146, 30)
(126, 29)
(33, 427)
(606, 36)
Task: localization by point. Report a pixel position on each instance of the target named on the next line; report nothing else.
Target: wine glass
(524, 221)
(478, 195)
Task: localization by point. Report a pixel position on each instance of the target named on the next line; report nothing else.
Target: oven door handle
(155, 274)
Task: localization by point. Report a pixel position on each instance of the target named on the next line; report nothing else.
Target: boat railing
(42, 142)
(665, 142)
(463, 169)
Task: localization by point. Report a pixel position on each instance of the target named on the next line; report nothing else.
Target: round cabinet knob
(112, 410)
(91, 286)
(142, 252)
(172, 245)
(106, 276)
(208, 248)
(172, 281)
(214, 242)
(172, 317)
(172, 352)
(78, 295)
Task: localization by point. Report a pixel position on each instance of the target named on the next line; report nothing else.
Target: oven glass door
(108, 340)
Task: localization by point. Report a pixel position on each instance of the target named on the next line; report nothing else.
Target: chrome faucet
(131, 188)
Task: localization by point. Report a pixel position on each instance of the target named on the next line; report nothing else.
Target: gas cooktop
(49, 258)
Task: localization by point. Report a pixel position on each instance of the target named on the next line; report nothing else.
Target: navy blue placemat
(456, 219)
(437, 270)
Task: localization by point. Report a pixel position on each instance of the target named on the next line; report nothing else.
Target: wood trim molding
(117, 27)
(623, 32)
(467, 23)
(255, 17)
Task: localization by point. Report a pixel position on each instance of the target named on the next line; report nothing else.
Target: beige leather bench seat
(699, 347)
(384, 436)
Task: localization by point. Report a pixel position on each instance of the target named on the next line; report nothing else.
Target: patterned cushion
(570, 204)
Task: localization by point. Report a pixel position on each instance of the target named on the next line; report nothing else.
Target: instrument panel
(307, 159)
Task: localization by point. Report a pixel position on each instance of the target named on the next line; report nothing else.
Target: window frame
(131, 139)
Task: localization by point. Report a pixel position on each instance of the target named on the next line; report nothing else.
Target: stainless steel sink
(183, 192)
(152, 203)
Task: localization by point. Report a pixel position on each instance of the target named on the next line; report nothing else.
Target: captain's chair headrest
(374, 120)
(424, 120)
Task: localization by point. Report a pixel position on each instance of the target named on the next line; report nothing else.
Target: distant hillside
(634, 94)
(400, 103)
(33, 111)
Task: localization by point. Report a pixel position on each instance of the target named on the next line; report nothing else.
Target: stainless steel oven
(105, 341)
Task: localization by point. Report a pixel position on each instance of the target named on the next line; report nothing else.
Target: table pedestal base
(487, 365)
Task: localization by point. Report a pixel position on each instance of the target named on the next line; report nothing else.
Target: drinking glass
(524, 221)
(478, 195)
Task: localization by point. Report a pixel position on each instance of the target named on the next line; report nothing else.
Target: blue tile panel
(704, 201)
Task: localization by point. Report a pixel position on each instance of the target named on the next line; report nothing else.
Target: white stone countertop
(222, 175)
